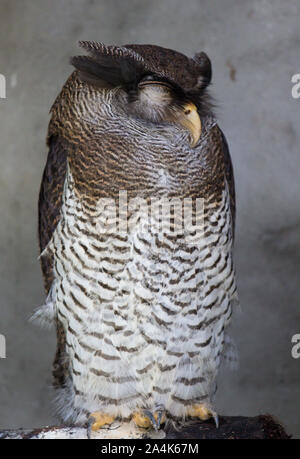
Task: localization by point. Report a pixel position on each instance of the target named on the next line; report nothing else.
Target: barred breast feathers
(106, 289)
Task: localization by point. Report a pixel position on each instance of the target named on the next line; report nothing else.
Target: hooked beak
(191, 121)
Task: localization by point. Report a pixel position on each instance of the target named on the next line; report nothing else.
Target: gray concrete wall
(254, 47)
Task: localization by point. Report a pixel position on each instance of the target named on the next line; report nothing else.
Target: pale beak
(190, 120)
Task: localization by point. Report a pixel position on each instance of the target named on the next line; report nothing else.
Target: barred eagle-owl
(141, 314)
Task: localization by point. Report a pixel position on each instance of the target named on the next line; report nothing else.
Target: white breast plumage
(143, 314)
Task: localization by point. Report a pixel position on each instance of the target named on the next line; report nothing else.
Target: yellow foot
(99, 419)
(146, 419)
(141, 420)
(203, 412)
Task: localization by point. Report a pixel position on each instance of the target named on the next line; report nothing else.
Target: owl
(141, 309)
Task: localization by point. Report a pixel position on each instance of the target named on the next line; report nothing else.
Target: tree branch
(231, 427)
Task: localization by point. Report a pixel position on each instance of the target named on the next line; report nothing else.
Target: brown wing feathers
(50, 200)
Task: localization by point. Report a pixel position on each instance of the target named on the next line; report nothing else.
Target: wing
(230, 178)
(50, 201)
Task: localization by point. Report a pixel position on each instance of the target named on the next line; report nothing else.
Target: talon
(97, 420)
(216, 418)
(161, 418)
(151, 417)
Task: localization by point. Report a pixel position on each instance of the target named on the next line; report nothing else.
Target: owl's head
(159, 85)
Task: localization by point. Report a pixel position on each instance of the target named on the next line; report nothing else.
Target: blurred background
(255, 49)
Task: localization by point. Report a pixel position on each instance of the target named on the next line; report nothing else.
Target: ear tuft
(91, 70)
(90, 45)
(115, 65)
(205, 71)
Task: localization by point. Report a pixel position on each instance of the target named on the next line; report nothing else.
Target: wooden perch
(231, 427)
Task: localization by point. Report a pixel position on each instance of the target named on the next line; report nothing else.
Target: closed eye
(154, 82)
